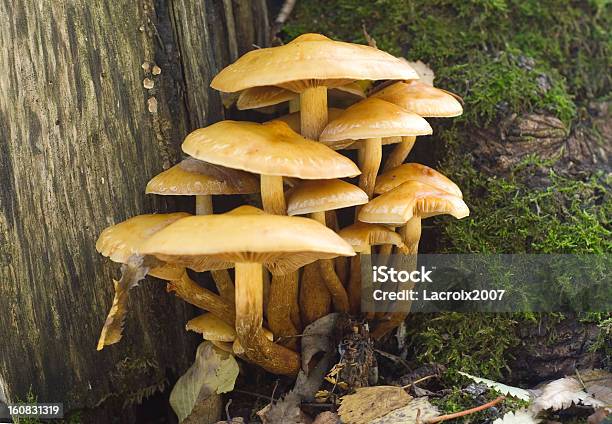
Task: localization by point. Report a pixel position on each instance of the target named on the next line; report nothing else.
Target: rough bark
(81, 136)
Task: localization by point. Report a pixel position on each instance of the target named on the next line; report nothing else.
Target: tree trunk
(80, 137)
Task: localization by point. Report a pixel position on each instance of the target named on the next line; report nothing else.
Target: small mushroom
(280, 243)
(212, 328)
(362, 237)
(315, 198)
(272, 150)
(415, 172)
(309, 65)
(422, 99)
(406, 205)
(370, 120)
(192, 177)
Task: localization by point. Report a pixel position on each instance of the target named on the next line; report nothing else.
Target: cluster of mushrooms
(291, 262)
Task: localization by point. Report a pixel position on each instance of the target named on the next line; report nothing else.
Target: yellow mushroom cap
(415, 172)
(246, 210)
(422, 99)
(361, 235)
(192, 177)
(311, 60)
(281, 243)
(256, 97)
(212, 328)
(125, 239)
(269, 149)
(323, 195)
(372, 118)
(412, 198)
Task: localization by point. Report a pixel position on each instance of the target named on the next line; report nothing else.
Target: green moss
(568, 216)
(473, 343)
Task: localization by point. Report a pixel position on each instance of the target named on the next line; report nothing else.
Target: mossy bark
(81, 136)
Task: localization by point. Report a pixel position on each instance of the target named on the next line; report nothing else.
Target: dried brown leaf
(318, 337)
(327, 417)
(598, 384)
(369, 403)
(522, 416)
(131, 273)
(559, 394)
(286, 411)
(426, 74)
(408, 414)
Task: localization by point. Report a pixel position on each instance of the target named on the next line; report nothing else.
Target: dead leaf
(131, 273)
(318, 337)
(522, 416)
(426, 74)
(369, 403)
(559, 394)
(327, 417)
(503, 389)
(598, 384)
(598, 416)
(213, 372)
(408, 414)
(286, 411)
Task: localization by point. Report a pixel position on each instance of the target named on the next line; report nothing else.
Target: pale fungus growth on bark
(152, 104)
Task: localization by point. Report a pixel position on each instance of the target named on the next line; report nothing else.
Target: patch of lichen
(501, 55)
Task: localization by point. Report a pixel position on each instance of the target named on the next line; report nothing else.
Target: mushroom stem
(411, 235)
(221, 278)
(372, 155)
(272, 195)
(313, 112)
(315, 300)
(204, 204)
(283, 294)
(249, 318)
(399, 153)
(354, 286)
(330, 278)
(193, 293)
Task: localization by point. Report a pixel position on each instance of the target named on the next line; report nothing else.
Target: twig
(227, 414)
(420, 380)
(284, 13)
(466, 412)
(281, 18)
(580, 379)
(369, 39)
(394, 358)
